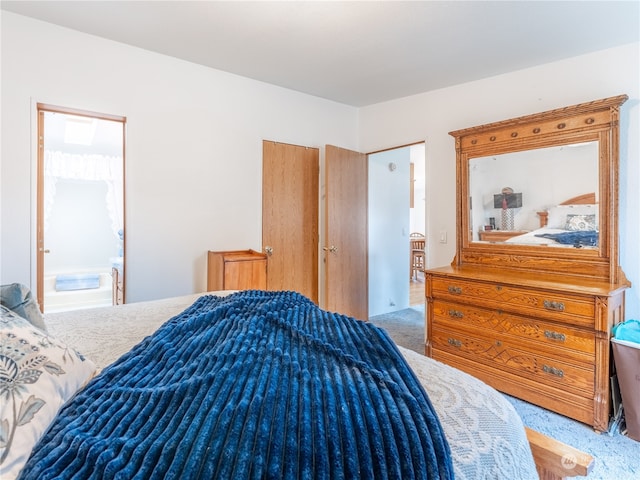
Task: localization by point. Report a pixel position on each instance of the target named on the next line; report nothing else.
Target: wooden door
(345, 245)
(290, 179)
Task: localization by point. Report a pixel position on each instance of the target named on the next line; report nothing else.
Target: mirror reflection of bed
(546, 177)
(572, 223)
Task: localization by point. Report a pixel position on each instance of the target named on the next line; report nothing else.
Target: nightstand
(499, 235)
(237, 270)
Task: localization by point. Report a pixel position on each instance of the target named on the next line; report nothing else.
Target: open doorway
(391, 219)
(80, 257)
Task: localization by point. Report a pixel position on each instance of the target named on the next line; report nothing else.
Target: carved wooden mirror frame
(593, 121)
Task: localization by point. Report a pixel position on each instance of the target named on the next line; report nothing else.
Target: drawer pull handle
(454, 342)
(456, 314)
(554, 335)
(455, 290)
(553, 371)
(556, 306)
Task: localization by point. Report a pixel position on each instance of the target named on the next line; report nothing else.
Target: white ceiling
(358, 53)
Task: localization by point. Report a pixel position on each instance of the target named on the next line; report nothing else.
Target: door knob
(332, 249)
(44, 251)
(268, 250)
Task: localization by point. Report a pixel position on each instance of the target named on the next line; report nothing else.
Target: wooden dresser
(535, 320)
(236, 270)
(541, 338)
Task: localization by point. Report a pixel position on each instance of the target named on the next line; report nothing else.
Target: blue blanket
(253, 385)
(587, 238)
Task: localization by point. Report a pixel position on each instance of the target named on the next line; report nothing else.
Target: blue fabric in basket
(255, 385)
(628, 331)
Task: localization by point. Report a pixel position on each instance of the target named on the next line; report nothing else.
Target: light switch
(443, 236)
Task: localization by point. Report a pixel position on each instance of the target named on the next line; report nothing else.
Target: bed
(573, 223)
(483, 434)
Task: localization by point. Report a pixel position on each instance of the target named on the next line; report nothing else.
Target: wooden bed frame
(586, 199)
(556, 460)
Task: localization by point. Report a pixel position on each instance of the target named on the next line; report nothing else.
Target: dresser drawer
(573, 309)
(507, 356)
(545, 336)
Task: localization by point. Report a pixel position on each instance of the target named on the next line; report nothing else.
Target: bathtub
(76, 297)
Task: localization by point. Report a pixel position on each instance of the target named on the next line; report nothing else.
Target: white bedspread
(486, 435)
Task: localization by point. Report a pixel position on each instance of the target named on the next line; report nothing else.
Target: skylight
(79, 130)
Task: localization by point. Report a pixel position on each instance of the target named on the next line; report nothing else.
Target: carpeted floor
(617, 457)
(405, 327)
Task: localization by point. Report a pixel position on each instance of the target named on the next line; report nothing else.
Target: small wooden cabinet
(499, 235)
(236, 270)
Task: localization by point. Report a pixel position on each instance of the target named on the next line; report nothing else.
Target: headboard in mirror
(540, 192)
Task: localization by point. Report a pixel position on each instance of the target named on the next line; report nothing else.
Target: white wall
(193, 148)
(388, 231)
(431, 115)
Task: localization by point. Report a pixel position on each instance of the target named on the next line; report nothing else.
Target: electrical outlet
(443, 236)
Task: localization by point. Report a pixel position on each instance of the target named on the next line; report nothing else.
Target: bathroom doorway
(81, 228)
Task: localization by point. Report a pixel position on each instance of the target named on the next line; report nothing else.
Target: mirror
(541, 179)
(556, 169)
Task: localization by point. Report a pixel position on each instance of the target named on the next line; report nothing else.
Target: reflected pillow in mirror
(558, 215)
(581, 223)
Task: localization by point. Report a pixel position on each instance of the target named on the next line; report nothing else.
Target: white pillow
(558, 215)
(38, 374)
(577, 223)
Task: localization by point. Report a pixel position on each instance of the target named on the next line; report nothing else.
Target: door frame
(327, 301)
(412, 184)
(41, 108)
